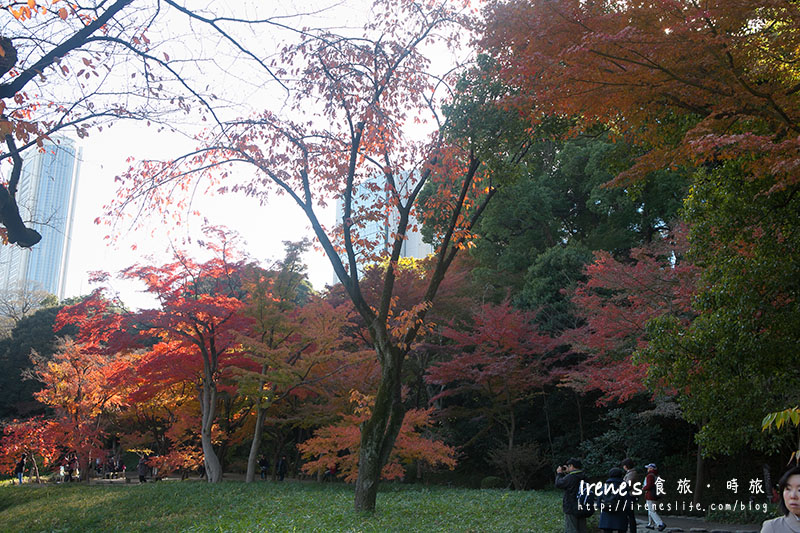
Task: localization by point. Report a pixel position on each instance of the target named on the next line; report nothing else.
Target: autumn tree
(741, 342)
(712, 87)
(499, 361)
(616, 302)
(69, 68)
(295, 347)
(76, 386)
(354, 100)
(273, 299)
(334, 448)
(691, 82)
(37, 437)
(197, 325)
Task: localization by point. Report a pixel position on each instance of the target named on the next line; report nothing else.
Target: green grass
(272, 507)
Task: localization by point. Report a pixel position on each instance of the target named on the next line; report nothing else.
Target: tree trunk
(767, 483)
(255, 445)
(699, 476)
(380, 431)
(208, 404)
(547, 422)
(510, 467)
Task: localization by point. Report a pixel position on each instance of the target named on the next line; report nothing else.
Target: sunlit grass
(272, 507)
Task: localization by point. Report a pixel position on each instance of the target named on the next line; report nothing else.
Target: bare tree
(17, 303)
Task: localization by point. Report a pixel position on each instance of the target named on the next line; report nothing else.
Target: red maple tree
(77, 385)
(197, 328)
(616, 302)
(499, 358)
(335, 448)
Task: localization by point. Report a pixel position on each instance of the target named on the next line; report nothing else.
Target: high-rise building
(46, 200)
(379, 229)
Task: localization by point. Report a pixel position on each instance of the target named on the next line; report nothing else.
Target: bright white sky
(104, 156)
(264, 228)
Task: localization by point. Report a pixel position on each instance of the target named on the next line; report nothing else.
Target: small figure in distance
(282, 467)
(650, 497)
(789, 505)
(141, 469)
(73, 470)
(263, 464)
(19, 469)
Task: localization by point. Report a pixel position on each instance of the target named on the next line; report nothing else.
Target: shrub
(493, 482)
(519, 464)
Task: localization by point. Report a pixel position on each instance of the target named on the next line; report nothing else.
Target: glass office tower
(379, 231)
(46, 199)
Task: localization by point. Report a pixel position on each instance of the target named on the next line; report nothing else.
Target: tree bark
(35, 469)
(547, 422)
(379, 432)
(255, 445)
(580, 416)
(208, 403)
(699, 476)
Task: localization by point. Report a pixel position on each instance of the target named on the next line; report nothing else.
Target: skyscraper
(378, 230)
(46, 199)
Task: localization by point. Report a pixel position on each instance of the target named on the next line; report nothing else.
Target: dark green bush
(493, 482)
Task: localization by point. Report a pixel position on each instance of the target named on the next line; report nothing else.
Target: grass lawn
(272, 507)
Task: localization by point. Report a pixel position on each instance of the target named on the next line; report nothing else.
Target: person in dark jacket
(142, 469)
(613, 517)
(263, 465)
(19, 469)
(569, 477)
(282, 467)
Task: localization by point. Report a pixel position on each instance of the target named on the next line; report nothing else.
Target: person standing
(263, 464)
(568, 478)
(19, 469)
(141, 469)
(650, 497)
(613, 505)
(282, 467)
(630, 479)
(73, 470)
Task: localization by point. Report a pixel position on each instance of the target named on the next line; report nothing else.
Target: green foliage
(627, 434)
(743, 343)
(493, 482)
(237, 507)
(539, 232)
(34, 332)
(548, 283)
(779, 418)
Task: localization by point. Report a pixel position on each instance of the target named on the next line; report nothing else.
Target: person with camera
(568, 478)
